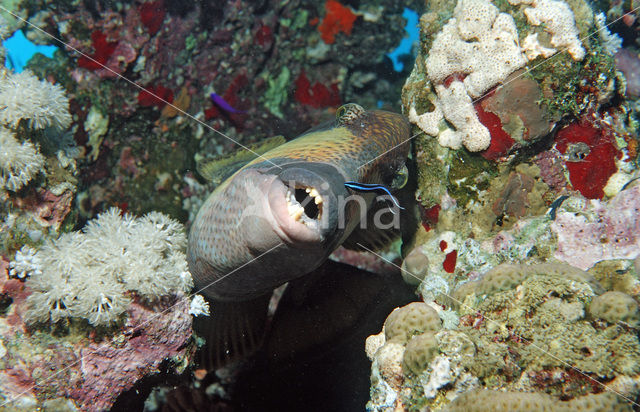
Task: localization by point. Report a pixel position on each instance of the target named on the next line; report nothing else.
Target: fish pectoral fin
(371, 239)
(234, 331)
(219, 168)
(381, 229)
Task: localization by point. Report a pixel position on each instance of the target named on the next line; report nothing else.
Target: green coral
(432, 170)
(276, 94)
(487, 400)
(507, 276)
(468, 176)
(574, 86)
(616, 307)
(419, 353)
(535, 320)
(413, 319)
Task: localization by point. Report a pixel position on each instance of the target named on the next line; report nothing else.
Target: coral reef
(524, 164)
(527, 240)
(523, 328)
(87, 275)
(466, 88)
(81, 370)
(126, 275)
(281, 68)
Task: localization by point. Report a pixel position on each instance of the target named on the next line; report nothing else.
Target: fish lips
(304, 201)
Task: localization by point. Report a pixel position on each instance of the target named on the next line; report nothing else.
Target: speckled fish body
(258, 212)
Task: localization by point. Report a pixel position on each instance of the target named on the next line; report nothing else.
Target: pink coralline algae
(89, 371)
(628, 63)
(150, 338)
(47, 208)
(551, 170)
(610, 231)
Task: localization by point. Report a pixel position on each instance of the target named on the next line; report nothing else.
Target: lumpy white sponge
(480, 44)
(459, 111)
(559, 22)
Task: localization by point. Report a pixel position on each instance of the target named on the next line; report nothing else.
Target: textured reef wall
(559, 317)
(527, 256)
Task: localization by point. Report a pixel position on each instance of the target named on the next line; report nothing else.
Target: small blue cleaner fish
(364, 187)
(280, 216)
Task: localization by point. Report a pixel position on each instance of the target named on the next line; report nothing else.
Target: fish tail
(234, 331)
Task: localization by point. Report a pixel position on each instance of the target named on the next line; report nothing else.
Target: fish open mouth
(304, 205)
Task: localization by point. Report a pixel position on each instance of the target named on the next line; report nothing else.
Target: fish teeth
(298, 214)
(297, 211)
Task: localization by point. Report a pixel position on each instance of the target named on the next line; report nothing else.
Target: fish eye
(347, 113)
(401, 178)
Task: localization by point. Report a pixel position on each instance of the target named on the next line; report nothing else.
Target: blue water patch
(20, 50)
(407, 42)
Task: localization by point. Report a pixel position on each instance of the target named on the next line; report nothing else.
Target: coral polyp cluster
(39, 103)
(19, 162)
(88, 274)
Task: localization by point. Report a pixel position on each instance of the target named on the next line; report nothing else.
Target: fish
(279, 217)
(363, 187)
(222, 103)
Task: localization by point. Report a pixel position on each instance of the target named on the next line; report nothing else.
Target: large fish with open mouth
(281, 215)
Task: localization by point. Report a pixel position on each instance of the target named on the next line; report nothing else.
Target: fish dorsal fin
(221, 167)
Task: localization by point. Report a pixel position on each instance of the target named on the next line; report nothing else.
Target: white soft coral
(19, 162)
(88, 274)
(40, 103)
